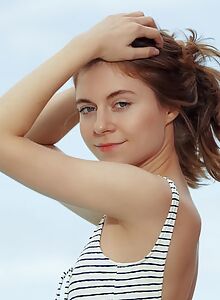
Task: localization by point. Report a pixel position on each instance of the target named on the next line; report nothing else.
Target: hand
(115, 34)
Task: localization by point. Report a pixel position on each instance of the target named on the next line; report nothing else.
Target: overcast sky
(39, 237)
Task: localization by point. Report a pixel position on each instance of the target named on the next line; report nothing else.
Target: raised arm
(78, 182)
(57, 118)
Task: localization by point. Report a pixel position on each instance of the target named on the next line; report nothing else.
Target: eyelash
(83, 108)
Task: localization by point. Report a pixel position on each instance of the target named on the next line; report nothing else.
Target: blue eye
(89, 108)
(127, 104)
(82, 110)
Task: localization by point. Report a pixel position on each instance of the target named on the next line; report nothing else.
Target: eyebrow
(110, 96)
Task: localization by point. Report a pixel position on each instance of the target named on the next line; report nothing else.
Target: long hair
(180, 78)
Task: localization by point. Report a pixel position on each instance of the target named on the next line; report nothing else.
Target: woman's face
(116, 108)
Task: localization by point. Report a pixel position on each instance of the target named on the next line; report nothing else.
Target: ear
(171, 114)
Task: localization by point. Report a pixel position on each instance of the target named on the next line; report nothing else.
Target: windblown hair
(180, 78)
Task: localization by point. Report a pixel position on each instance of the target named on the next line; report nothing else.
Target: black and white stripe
(95, 276)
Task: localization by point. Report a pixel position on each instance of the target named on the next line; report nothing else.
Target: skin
(22, 104)
(147, 128)
(142, 121)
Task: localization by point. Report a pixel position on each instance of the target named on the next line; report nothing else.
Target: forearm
(58, 117)
(22, 104)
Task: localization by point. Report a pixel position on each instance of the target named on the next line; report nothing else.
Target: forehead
(104, 77)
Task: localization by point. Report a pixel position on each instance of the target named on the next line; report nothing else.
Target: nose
(103, 122)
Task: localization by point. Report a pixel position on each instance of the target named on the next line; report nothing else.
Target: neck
(166, 163)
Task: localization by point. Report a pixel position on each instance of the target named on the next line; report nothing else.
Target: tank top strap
(168, 227)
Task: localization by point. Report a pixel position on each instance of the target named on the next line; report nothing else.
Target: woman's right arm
(88, 215)
(57, 118)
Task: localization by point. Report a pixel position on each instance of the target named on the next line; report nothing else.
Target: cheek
(151, 130)
(149, 121)
(84, 131)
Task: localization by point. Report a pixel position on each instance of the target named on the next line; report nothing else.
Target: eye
(125, 104)
(86, 109)
(82, 110)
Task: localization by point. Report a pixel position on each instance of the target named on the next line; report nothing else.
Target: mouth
(110, 146)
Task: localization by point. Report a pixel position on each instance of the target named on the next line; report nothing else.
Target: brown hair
(180, 78)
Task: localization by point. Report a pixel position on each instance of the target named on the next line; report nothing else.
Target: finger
(144, 52)
(151, 33)
(147, 21)
(134, 14)
(152, 22)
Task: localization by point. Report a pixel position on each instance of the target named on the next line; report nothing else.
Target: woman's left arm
(22, 104)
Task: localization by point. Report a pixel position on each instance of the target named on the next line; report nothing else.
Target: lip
(109, 144)
(108, 147)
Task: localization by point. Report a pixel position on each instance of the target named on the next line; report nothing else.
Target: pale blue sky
(39, 237)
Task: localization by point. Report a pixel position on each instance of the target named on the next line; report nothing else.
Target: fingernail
(156, 51)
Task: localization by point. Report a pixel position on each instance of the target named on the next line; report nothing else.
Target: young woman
(148, 109)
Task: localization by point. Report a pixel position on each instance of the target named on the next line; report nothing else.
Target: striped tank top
(95, 276)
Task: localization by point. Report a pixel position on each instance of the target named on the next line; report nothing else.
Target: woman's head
(125, 110)
(175, 95)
